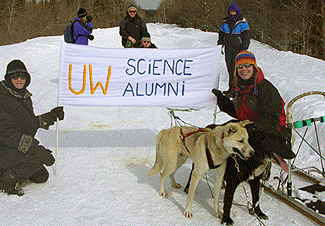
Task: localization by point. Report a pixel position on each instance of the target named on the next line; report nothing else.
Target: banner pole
(216, 106)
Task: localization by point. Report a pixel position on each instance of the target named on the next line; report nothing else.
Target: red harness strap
(183, 136)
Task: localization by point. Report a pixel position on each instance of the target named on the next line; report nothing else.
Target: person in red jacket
(256, 99)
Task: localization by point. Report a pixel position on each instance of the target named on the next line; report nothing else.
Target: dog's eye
(241, 141)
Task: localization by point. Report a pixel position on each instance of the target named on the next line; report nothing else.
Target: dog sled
(313, 208)
(283, 187)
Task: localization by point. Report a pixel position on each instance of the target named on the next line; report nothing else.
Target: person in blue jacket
(234, 36)
(82, 28)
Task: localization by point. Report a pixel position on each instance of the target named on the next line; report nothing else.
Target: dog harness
(209, 157)
(183, 136)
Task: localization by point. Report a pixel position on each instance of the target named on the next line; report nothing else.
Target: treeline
(26, 19)
(290, 25)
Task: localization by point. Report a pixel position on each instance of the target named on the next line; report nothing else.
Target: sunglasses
(146, 41)
(131, 11)
(244, 65)
(15, 76)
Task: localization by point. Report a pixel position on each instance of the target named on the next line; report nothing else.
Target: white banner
(175, 78)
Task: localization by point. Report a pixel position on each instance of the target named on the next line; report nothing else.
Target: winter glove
(221, 100)
(49, 118)
(89, 18)
(44, 155)
(225, 104)
(91, 37)
(31, 147)
(58, 112)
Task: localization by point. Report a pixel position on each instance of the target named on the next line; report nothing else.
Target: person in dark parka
(21, 155)
(234, 36)
(257, 100)
(132, 27)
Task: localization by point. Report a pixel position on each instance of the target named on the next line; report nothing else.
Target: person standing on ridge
(234, 36)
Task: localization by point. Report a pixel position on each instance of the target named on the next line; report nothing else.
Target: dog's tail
(159, 161)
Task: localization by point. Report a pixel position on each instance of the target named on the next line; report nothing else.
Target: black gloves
(41, 153)
(91, 37)
(49, 118)
(89, 18)
(221, 100)
(58, 112)
(225, 104)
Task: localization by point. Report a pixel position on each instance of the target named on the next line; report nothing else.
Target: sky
(105, 153)
(148, 4)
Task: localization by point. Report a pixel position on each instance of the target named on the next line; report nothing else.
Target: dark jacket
(235, 35)
(265, 107)
(81, 31)
(134, 27)
(261, 103)
(18, 124)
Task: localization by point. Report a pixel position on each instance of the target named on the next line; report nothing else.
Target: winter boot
(10, 183)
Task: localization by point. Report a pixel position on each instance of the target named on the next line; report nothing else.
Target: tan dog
(172, 151)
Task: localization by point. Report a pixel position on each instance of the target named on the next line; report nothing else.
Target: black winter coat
(17, 119)
(134, 27)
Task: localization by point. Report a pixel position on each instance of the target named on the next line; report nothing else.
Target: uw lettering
(92, 88)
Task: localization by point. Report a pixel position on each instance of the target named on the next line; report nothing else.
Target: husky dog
(208, 148)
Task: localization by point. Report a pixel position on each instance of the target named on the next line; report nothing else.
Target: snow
(105, 153)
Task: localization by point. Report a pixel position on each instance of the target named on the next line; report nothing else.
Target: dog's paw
(263, 216)
(163, 194)
(228, 221)
(188, 214)
(218, 214)
(176, 185)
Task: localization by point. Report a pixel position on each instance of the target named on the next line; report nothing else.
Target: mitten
(224, 103)
(46, 120)
(44, 155)
(30, 146)
(58, 112)
(221, 100)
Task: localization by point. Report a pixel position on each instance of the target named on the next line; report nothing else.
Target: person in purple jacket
(82, 28)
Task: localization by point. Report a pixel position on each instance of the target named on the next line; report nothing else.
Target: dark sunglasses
(15, 76)
(131, 11)
(146, 41)
(244, 65)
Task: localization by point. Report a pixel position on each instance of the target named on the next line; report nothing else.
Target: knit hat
(82, 12)
(16, 66)
(132, 7)
(245, 57)
(233, 7)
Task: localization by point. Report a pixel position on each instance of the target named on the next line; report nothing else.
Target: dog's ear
(230, 130)
(244, 123)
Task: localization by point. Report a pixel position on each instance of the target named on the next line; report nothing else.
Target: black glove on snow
(40, 152)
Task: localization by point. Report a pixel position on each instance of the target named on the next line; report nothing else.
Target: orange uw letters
(92, 88)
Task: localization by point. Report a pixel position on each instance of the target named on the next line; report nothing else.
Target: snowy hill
(105, 153)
